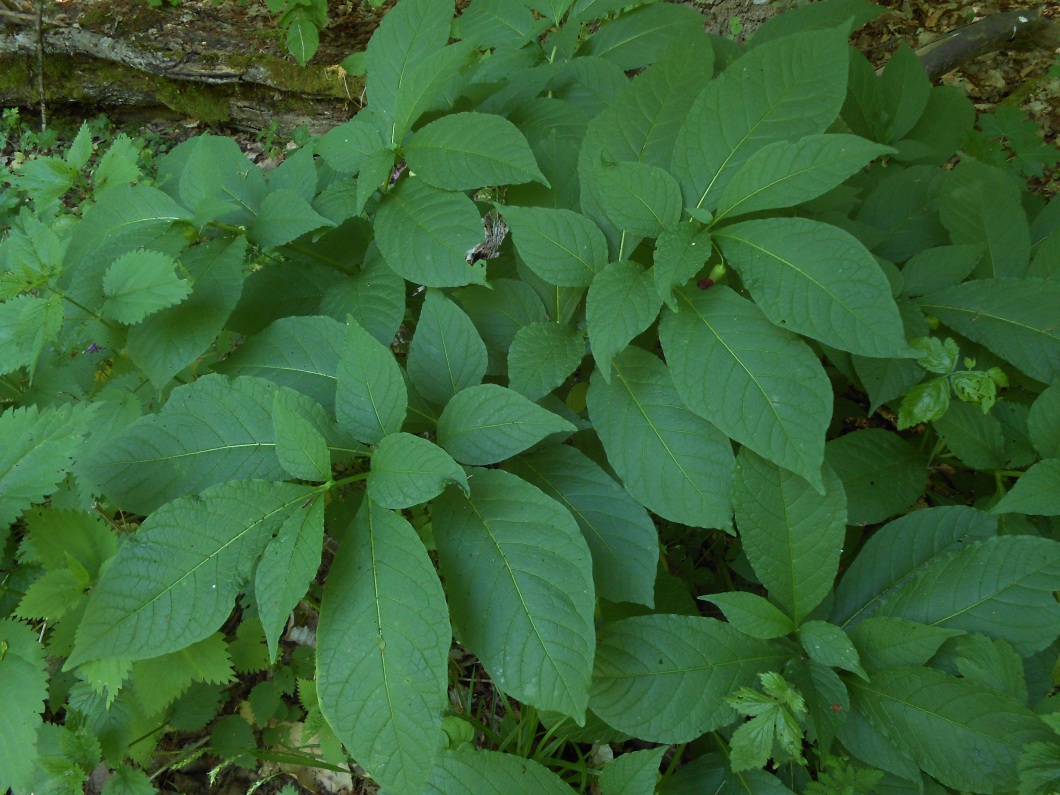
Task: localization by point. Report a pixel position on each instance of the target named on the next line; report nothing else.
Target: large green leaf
(284, 216)
(426, 86)
(974, 437)
(346, 147)
(633, 773)
(1036, 492)
(24, 688)
(555, 129)
(562, 247)
(895, 552)
(781, 91)
(637, 197)
(636, 38)
(383, 650)
(467, 771)
(622, 302)
(882, 473)
(495, 23)
(175, 581)
(817, 280)
(675, 463)
(663, 678)
(680, 253)
(300, 446)
(1000, 587)
(487, 423)
(967, 736)
(371, 398)
(425, 234)
(792, 535)
(1014, 318)
(210, 175)
(757, 383)
(468, 150)
(447, 354)
(542, 356)
(887, 642)
(620, 534)
(519, 581)
(408, 470)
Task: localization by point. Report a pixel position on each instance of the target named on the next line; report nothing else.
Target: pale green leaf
(757, 383)
(680, 253)
(633, 773)
(54, 593)
(829, 645)
(561, 246)
(886, 642)
(371, 398)
(882, 473)
(408, 470)
(303, 37)
(284, 216)
(816, 279)
(1043, 422)
(486, 424)
(673, 462)
(301, 448)
(128, 780)
(140, 283)
(176, 580)
(1036, 492)
(158, 681)
(382, 650)
(27, 324)
(792, 535)
(637, 197)
(23, 687)
(447, 354)
(663, 678)
(520, 588)
(45, 179)
(542, 356)
(55, 536)
(752, 614)
(472, 772)
(621, 537)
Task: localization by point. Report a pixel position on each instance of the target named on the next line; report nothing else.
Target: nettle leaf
(782, 90)
(761, 386)
(408, 470)
(541, 357)
(1036, 492)
(486, 424)
(663, 678)
(792, 535)
(468, 150)
(27, 324)
(673, 462)
(637, 197)
(887, 642)
(895, 552)
(787, 173)
(1014, 318)
(752, 614)
(160, 680)
(1043, 422)
(633, 773)
(882, 473)
(520, 588)
(288, 567)
(966, 736)
(829, 645)
(24, 687)
(447, 354)
(622, 303)
(371, 399)
(425, 234)
(301, 353)
(1000, 587)
(139, 284)
(474, 772)
(620, 534)
(561, 246)
(300, 446)
(817, 280)
(175, 580)
(680, 253)
(284, 216)
(383, 648)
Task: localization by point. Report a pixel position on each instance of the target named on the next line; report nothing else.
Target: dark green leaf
(562, 247)
(408, 470)
(447, 354)
(1036, 492)
(371, 399)
(542, 356)
(882, 474)
(622, 303)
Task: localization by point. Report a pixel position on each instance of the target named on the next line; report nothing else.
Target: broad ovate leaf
(300, 446)
(633, 773)
(622, 303)
(519, 581)
(284, 216)
(382, 649)
(408, 470)
(882, 473)
(542, 356)
(371, 398)
(447, 354)
(752, 614)
(561, 246)
(637, 197)
(1036, 492)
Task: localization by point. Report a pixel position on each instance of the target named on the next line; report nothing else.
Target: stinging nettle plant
(580, 283)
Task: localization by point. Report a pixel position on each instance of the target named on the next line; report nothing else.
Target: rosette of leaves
(230, 392)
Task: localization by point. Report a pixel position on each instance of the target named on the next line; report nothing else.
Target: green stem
(1009, 473)
(308, 252)
(351, 479)
(675, 760)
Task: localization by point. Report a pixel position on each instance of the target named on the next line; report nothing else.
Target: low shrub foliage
(586, 317)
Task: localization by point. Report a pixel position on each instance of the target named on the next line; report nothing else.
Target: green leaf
(464, 151)
(168, 341)
(966, 736)
(622, 303)
(45, 179)
(791, 534)
(882, 473)
(375, 296)
(211, 176)
(621, 537)
(815, 17)
(1039, 769)
(673, 462)
(1036, 492)
(128, 780)
(925, 402)
(541, 357)
(139, 284)
(903, 207)
(447, 354)
(937, 268)
(497, 23)
(473, 772)
(663, 678)
(974, 437)
(1001, 587)
(303, 38)
(54, 593)
(24, 687)
(284, 216)
(158, 681)
(757, 383)
(498, 312)
(77, 156)
(827, 702)
(1043, 422)
(680, 253)
(371, 398)
(27, 324)
(382, 650)
(752, 614)
(347, 147)
(829, 645)
(816, 279)
(301, 448)
(786, 173)
(175, 581)
(992, 663)
(486, 424)
(904, 92)
(782, 90)
(562, 247)
(520, 589)
(1014, 318)
(58, 536)
(638, 37)
(637, 197)
(425, 234)
(887, 642)
(287, 569)
(426, 85)
(633, 773)
(408, 470)
(897, 551)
